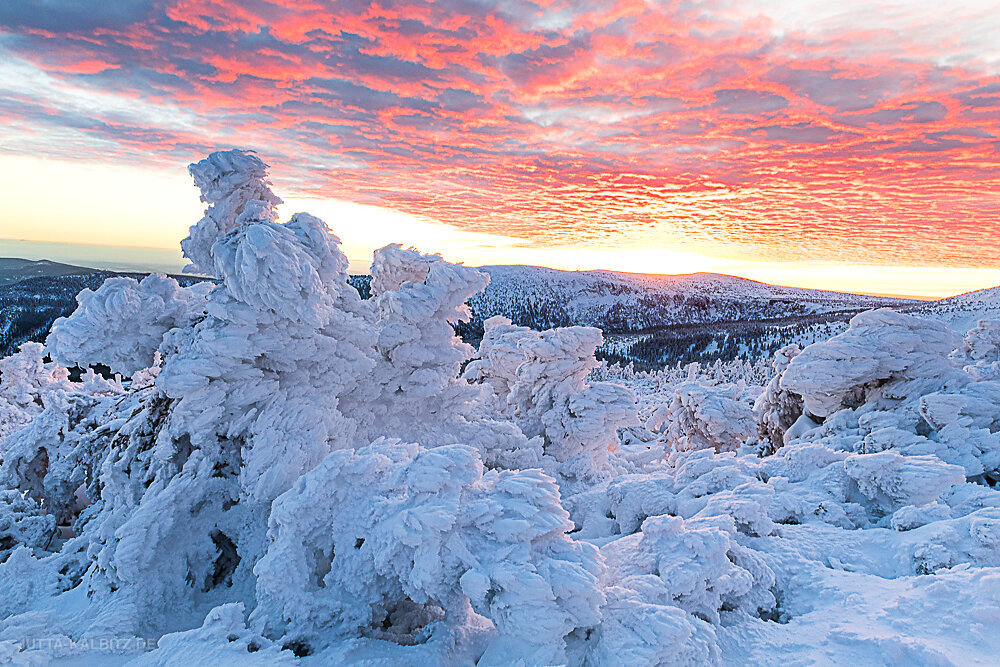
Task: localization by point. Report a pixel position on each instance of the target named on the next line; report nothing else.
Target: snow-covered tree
(701, 416)
(776, 409)
(123, 322)
(228, 180)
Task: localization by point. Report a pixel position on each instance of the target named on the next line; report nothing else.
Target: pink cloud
(552, 121)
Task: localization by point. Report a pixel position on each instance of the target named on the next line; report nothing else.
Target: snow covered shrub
(702, 416)
(538, 379)
(228, 180)
(979, 353)
(420, 396)
(551, 397)
(497, 361)
(382, 540)
(697, 565)
(122, 324)
(25, 383)
(967, 428)
(776, 409)
(22, 523)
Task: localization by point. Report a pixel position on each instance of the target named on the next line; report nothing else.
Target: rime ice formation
(123, 323)
(293, 475)
(25, 383)
(777, 409)
(701, 416)
(228, 180)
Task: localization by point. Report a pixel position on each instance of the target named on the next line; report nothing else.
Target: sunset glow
(853, 148)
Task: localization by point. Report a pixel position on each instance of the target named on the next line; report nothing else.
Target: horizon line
(889, 295)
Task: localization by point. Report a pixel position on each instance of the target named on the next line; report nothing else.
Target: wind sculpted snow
(283, 472)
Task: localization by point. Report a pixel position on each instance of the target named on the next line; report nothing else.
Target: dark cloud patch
(743, 101)
(914, 112)
(836, 89)
(545, 62)
(73, 16)
(799, 133)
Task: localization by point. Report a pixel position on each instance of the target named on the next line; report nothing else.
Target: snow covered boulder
(893, 481)
(884, 357)
(776, 408)
(979, 353)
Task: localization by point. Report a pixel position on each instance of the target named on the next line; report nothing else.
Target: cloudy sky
(842, 144)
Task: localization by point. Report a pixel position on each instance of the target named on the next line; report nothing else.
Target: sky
(841, 145)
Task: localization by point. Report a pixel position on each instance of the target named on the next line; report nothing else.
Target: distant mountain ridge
(628, 302)
(15, 269)
(650, 320)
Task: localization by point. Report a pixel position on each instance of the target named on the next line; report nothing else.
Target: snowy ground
(294, 475)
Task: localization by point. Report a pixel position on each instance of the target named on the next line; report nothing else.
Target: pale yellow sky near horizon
(60, 201)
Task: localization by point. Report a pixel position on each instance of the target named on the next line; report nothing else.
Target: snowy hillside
(963, 311)
(626, 302)
(648, 320)
(296, 475)
(13, 269)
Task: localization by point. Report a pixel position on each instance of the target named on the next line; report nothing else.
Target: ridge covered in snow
(627, 302)
(964, 310)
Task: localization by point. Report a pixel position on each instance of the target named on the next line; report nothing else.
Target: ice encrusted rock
(894, 481)
(777, 409)
(123, 322)
(884, 356)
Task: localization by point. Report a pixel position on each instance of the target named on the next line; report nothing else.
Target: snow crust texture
(284, 473)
